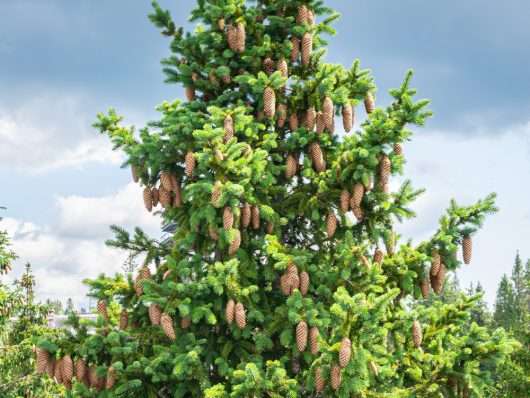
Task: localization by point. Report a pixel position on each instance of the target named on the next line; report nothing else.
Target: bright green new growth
(350, 296)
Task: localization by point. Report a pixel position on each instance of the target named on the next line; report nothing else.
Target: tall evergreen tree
(505, 314)
(275, 283)
(480, 314)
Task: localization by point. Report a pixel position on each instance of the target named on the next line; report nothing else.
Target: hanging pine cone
(156, 196)
(385, 169)
(232, 38)
(347, 117)
(166, 274)
(303, 15)
(328, 113)
(358, 193)
(155, 312)
(374, 368)
(58, 373)
(301, 336)
(295, 51)
(425, 289)
(314, 344)
(304, 283)
(67, 368)
(269, 101)
(124, 320)
(293, 122)
(318, 157)
(167, 326)
(331, 224)
(226, 79)
(190, 94)
(311, 17)
(269, 227)
(102, 310)
(390, 242)
(221, 24)
(230, 311)
(417, 335)
(111, 379)
(240, 316)
(320, 123)
(365, 262)
(245, 215)
(177, 196)
(190, 163)
(283, 68)
(307, 48)
(228, 218)
(135, 174)
(50, 367)
(268, 66)
(42, 360)
(369, 104)
(234, 246)
(80, 370)
(282, 115)
(229, 128)
(398, 149)
(358, 213)
(344, 352)
(285, 284)
(254, 216)
(335, 377)
(93, 379)
(344, 201)
(185, 322)
(165, 180)
(148, 199)
(216, 193)
(467, 249)
(319, 381)
(436, 262)
(439, 280)
(311, 117)
(368, 184)
(292, 166)
(214, 234)
(218, 154)
(378, 256)
(241, 37)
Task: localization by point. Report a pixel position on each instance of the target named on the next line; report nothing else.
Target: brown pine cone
(164, 197)
(229, 128)
(50, 367)
(358, 213)
(67, 368)
(102, 310)
(358, 193)
(135, 174)
(155, 312)
(148, 199)
(467, 249)
(166, 274)
(194, 76)
(234, 246)
(111, 379)
(177, 196)
(190, 94)
(328, 113)
(390, 242)
(320, 123)
(385, 170)
(190, 163)
(221, 24)
(364, 262)
(293, 122)
(319, 381)
(156, 196)
(80, 370)
(344, 352)
(369, 104)
(425, 289)
(269, 101)
(269, 227)
(185, 322)
(93, 379)
(218, 154)
(285, 284)
(314, 344)
(268, 66)
(282, 115)
(245, 215)
(436, 262)
(318, 157)
(240, 316)
(254, 216)
(230, 311)
(311, 18)
(344, 201)
(214, 234)
(295, 51)
(347, 117)
(124, 320)
(303, 15)
(307, 48)
(58, 373)
(439, 280)
(311, 117)
(301, 336)
(378, 256)
(417, 335)
(226, 79)
(42, 360)
(331, 224)
(232, 38)
(304, 283)
(167, 326)
(292, 166)
(283, 68)
(213, 78)
(228, 218)
(374, 368)
(241, 37)
(216, 193)
(335, 377)
(398, 149)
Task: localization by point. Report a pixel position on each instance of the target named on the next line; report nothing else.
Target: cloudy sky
(61, 62)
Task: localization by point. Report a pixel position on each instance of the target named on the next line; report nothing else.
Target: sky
(62, 62)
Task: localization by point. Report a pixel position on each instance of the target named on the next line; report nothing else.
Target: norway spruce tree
(287, 275)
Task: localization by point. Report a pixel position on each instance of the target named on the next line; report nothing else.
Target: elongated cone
(319, 381)
(293, 279)
(385, 169)
(241, 37)
(417, 335)
(234, 246)
(80, 370)
(165, 180)
(240, 316)
(166, 274)
(292, 166)
(282, 115)
(365, 262)
(67, 368)
(245, 215)
(293, 122)
(254, 216)
(373, 366)
(398, 149)
(124, 320)
(378, 256)
(303, 15)
(228, 218)
(102, 310)
(156, 196)
(269, 102)
(344, 352)
(138, 286)
(213, 78)
(335, 377)
(230, 311)
(58, 374)
(439, 280)
(226, 78)
(304, 283)
(318, 157)
(358, 213)
(92, 378)
(218, 154)
(328, 113)
(301, 336)
(454, 385)
(135, 174)
(369, 104)
(216, 193)
(232, 38)
(358, 193)
(314, 344)
(268, 66)
(221, 24)
(347, 117)
(177, 199)
(311, 18)
(190, 163)
(331, 224)
(344, 201)
(155, 312)
(285, 284)
(185, 322)
(283, 68)
(311, 118)
(295, 51)
(390, 241)
(320, 123)
(167, 325)
(50, 367)
(214, 234)
(467, 249)
(148, 199)
(229, 128)
(190, 94)
(42, 360)
(269, 227)
(436, 262)
(307, 48)
(111, 379)
(425, 289)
